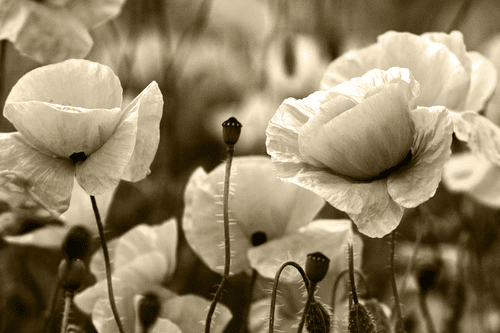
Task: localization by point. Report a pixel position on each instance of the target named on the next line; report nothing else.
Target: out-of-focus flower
(271, 220)
(144, 261)
(54, 30)
(71, 123)
(448, 74)
(363, 147)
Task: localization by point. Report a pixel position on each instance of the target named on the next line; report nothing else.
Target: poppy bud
(316, 266)
(149, 308)
(71, 274)
(231, 130)
(358, 314)
(76, 243)
(317, 319)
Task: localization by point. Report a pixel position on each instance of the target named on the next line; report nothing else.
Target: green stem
(107, 264)
(227, 256)
(397, 304)
(275, 289)
(68, 300)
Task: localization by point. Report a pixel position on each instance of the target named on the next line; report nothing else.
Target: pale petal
(51, 178)
(417, 182)
(326, 236)
(149, 105)
(482, 135)
(483, 82)
(454, 41)
(61, 131)
(143, 239)
(363, 142)
(102, 170)
(474, 176)
(75, 82)
(164, 325)
(95, 12)
(43, 33)
(190, 311)
(282, 207)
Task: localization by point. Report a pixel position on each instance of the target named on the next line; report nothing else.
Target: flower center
(78, 157)
(403, 163)
(259, 238)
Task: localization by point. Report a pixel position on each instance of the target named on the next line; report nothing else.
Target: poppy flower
(144, 261)
(364, 147)
(71, 124)
(54, 30)
(448, 74)
(269, 218)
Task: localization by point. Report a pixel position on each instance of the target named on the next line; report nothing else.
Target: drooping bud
(259, 238)
(231, 130)
(76, 243)
(149, 309)
(71, 274)
(360, 320)
(317, 319)
(316, 266)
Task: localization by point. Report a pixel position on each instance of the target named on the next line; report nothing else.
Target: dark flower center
(78, 157)
(400, 165)
(259, 238)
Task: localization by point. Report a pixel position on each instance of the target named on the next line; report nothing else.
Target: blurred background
(214, 59)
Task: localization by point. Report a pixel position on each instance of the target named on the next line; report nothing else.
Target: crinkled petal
(483, 82)
(102, 170)
(326, 236)
(51, 178)
(418, 181)
(143, 239)
(190, 311)
(474, 176)
(61, 131)
(482, 135)
(149, 105)
(44, 33)
(370, 138)
(454, 41)
(75, 82)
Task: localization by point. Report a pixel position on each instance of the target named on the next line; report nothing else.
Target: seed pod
(317, 319)
(231, 130)
(316, 266)
(360, 320)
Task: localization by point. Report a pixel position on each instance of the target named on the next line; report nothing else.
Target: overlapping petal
(258, 203)
(447, 73)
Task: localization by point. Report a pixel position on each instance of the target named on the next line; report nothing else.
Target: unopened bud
(149, 309)
(231, 130)
(71, 274)
(360, 320)
(76, 243)
(316, 266)
(317, 319)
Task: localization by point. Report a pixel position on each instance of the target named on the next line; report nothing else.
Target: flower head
(271, 219)
(54, 30)
(448, 74)
(144, 261)
(70, 123)
(364, 147)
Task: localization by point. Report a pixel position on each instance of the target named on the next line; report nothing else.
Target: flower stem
(310, 299)
(68, 300)
(422, 300)
(50, 312)
(275, 289)
(397, 305)
(107, 265)
(246, 310)
(227, 254)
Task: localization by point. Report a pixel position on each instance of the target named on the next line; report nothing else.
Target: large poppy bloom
(54, 30)
(448, 74)
(144, 261)
(364, 147)
(71, 123)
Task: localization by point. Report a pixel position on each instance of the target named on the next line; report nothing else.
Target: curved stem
(107, 264)
(397, 305)
(227, 254)
(68, 300)
(275, 289)
(361, 275)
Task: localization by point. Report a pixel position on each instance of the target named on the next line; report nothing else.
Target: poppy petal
(51, 178)
(149, 105)
(418, 181)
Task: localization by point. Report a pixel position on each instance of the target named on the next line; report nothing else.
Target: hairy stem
(107, 264)
(397, 305)
(68, 300)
